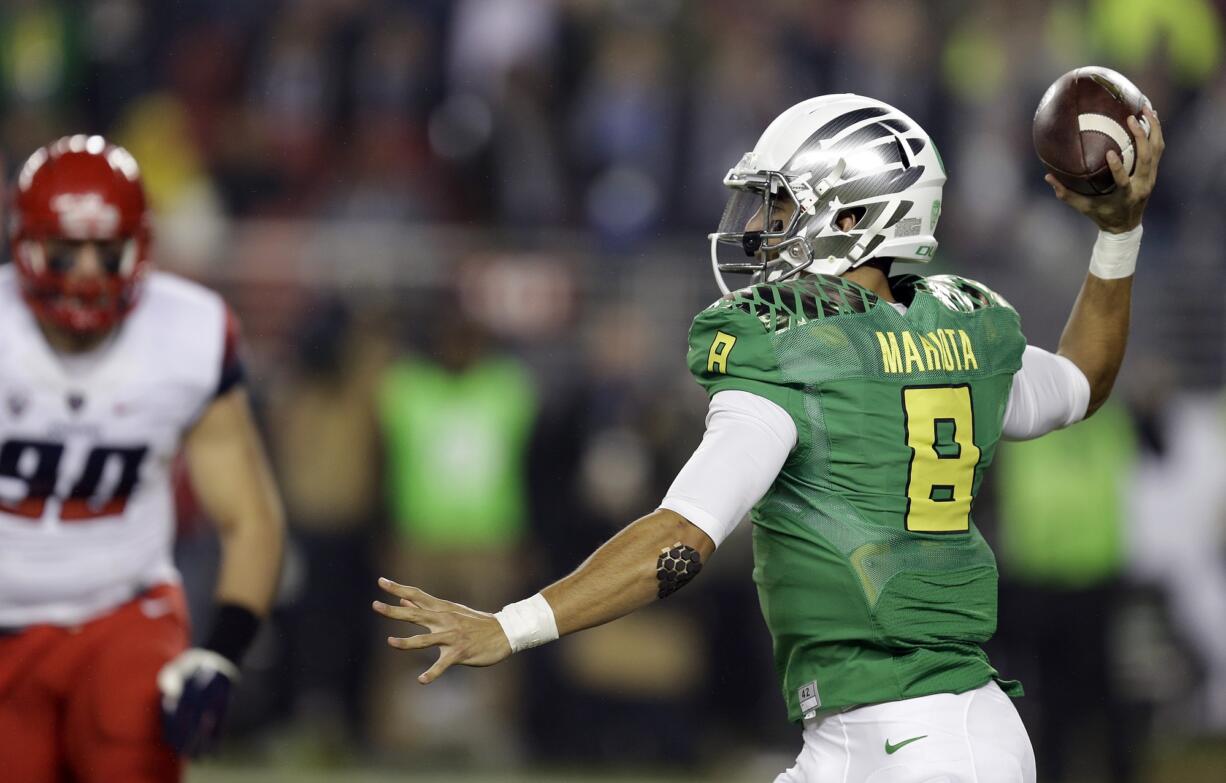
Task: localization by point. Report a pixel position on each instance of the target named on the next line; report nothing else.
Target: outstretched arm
(649, 559)
(1097, 330)
(748, 438)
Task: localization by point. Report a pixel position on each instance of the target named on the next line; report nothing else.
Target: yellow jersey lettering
(950, 340)
(968, 353)
(932, 353)
(891, 359)
(912, 353)
(947, 361)
(942, 349)
(717, 359)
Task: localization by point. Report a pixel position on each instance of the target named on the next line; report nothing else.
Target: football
(1082, 116)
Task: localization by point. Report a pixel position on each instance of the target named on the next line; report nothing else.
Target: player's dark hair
(882, 264)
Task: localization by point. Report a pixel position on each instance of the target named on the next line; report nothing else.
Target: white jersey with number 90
(86, 448)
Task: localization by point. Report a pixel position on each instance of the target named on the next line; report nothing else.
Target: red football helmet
(80, 188)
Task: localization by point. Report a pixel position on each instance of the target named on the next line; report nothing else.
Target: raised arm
(1096, 333)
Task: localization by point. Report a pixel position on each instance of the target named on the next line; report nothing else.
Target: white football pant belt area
(748, 439)
(972, 737)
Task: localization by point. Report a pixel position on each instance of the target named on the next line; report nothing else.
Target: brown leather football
(1082, 116)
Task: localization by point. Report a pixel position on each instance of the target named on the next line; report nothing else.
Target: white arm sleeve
(748, 439)
(1048, 393)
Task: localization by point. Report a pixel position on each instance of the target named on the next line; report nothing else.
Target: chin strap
(830, 265)
(715, 270)
(861, 247)
(806, 195)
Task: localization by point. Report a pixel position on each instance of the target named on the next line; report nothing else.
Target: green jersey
(873, 579)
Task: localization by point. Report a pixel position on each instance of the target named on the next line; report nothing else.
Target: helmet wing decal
(833, 129)
(872, 160)
(883, 184)
(814, 151)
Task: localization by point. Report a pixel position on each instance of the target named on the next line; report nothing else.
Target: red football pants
(81, 704)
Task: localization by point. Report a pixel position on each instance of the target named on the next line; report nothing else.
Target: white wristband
(528, 623)
(1115, 255)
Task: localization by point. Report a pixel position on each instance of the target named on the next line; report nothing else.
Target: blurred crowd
(466, 237)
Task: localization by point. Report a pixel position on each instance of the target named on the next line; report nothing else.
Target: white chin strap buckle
(830, 180)
(807, 195)
(858, 249)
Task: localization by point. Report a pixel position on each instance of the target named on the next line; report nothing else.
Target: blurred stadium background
(465, 239)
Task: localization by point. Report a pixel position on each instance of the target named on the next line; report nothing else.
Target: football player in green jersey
(853, 416)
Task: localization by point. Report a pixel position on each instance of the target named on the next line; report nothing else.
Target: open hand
(462, 635)
(1121, 209)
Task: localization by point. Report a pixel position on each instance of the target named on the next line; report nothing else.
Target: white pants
(972, 737)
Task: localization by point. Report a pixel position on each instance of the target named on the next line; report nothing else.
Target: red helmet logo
(80, 189)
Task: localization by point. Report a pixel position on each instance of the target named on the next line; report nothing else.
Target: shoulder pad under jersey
(802, 299)
(957, 293)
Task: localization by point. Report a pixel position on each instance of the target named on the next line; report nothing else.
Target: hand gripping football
(1082, 116)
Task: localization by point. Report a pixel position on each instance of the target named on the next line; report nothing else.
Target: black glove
(195, 688)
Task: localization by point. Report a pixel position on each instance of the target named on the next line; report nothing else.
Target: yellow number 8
(940, 428)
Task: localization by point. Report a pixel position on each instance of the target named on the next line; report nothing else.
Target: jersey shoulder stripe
(789, 303)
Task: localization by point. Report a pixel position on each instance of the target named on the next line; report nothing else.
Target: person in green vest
(455, 427)
(455, 433)
(1062, 554)
(855, 414)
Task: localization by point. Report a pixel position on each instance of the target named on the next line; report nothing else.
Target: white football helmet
(830, 155)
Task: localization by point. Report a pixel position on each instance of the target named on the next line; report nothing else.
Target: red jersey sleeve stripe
(232, 371)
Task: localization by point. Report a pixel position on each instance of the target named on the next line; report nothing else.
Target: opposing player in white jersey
(107, 370)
